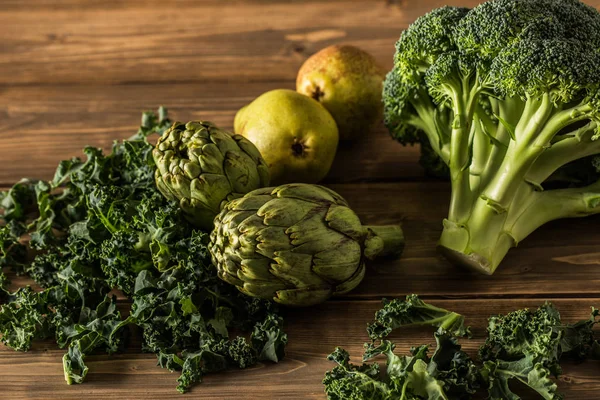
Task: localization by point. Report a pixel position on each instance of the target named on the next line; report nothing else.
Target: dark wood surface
(77, 72)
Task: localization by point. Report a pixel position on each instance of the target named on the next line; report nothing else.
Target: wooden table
(77, 72)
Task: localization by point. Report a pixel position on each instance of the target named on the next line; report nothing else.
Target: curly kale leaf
(12, 252)
(98, 328)
(100, 224)
(413, 311)
(269, 339)
(25, 317)
(528, 345)
(188, 305)
(18, 201)
(449, 373)
(498, 374)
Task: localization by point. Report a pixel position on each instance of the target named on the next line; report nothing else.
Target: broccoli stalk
(507, 96)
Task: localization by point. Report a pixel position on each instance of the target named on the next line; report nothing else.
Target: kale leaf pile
(523, 346)
(100, 224)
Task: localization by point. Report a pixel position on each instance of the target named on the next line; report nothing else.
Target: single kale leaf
(413, 311)
(528, 345)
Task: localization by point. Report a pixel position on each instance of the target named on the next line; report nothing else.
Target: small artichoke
(202, 167)
(297, 244)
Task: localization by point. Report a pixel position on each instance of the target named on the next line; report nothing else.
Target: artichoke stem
(392, 237)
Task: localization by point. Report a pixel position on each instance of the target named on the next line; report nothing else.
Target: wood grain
(234, 41)
(42, 125)
(79, 72)
(313, 334)
(561, 259)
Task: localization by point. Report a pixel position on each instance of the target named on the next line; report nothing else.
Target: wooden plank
(560, 259)
(123, 42)
(42, 125)
(313, 333)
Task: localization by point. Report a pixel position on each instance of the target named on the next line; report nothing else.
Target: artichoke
(297, 244)
(203, 167)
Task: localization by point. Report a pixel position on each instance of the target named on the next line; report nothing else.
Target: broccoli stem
(506, 110)
(427, 123)
(484, 240)
(520, 155)
(578, 144)
(555, 204)
(464, 104)
(481, 243)
(482, 147)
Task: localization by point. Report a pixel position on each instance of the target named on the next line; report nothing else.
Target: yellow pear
(348, 82)
(295, 134)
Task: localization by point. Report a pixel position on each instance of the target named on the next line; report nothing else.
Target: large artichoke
(202, 167)
(297, 244)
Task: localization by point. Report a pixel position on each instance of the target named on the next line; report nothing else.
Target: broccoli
(507, 95)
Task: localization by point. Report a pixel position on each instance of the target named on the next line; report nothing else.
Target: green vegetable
(527, 346)
(448, 374)
(297, 244)
(506, 95)
(414, 311)
(523, 345)
(101, 224)
(202, 167)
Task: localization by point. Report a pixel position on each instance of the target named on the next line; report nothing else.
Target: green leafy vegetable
(413, 311)
(524, 346)
(101, 224)
(448, 373)
(527, 346)
(506, 95)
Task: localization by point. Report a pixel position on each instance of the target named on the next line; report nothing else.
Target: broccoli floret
(507, 95)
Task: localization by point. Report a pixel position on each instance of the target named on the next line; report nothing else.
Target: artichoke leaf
(252, 224)
(229, 278)
(339, 264)
(211, 160)
(314, 234)
(210, 189)
(223, 141)
(180, 185)
(272, 239)
(195, 212)
(288, 260)
(345, 251)
(241, 172)
(296, 270)
(248, 203)
(339, 200)
(311, 193)
(284, 212)
(163, 187)
(302, 297)
(264, 173)
(256, 269)
(191, 169)
(247, 243)
(353, 282)
(344, 220)
(248, 148)
(265, 289)
(336, 272)
(235, 218)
